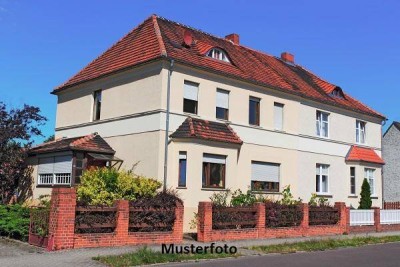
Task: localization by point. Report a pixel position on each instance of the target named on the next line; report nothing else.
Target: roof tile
(357, 153)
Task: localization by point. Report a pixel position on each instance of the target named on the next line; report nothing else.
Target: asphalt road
(384, 255)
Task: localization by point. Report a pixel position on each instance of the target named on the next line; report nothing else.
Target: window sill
(279, 131)
(352, 196)
(322, 137)
(223, 120)
(255, 126)
(213, 189)
(181, 187)
(51, 186)
(374, 197)
(266, 192)
(327, 195)
(191, 114)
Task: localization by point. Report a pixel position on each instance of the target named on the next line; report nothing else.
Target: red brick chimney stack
(234, 37)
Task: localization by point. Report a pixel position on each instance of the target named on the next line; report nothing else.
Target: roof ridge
(98, 57)
(83, 139)
(163, 50)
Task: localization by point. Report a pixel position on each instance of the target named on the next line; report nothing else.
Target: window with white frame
(369, 175)
(352, 180)
(218, 54)
(55, 170)
(322, 179)
(322, 124)
(96, 105)
(190, 94)
(360, 132)
(278, 116)
(222, 107)
(265, 176)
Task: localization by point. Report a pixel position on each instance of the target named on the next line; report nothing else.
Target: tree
(365, 200)
(17, 128)
(49, 139)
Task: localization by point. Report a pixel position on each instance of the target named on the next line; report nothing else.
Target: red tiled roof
(90, 143)
(357, 153)
(207, 130)
(158, 37)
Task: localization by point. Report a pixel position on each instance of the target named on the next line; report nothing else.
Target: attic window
(337, 92)
(218, 54)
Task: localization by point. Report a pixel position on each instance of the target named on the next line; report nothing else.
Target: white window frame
(361, 132)
(320, 122)
(219, 54)
(321, 168)
(369, 174)
(355, 181)
(281, 108)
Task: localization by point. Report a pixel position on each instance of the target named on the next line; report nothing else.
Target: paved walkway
(19, 254)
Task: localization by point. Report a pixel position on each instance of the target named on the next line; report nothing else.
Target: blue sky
(353, 44)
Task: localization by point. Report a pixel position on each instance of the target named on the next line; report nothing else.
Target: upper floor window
(360, 132)
(278, 116)
(322, 178)
(369, 175)
(265, 176)
(322, 124)
(214, 171)
(254, 111)
(190, 94)
(337, 92)
(96, 105)
(222, 107)
(218, 54)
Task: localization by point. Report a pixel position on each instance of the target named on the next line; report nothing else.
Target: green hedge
(14, 221)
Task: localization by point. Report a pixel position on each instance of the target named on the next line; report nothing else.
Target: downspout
(167, 125)
(382, 173)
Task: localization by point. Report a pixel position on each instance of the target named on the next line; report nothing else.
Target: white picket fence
(361, 217)
(390, 216)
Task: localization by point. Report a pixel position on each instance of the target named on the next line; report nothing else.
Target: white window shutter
(46, 165)
(214, 159)
(278, 116)
(265, 172)
(223, 99)
(191, 91)
(63, 164)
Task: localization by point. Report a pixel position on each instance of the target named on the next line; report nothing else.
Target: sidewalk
(83, 257)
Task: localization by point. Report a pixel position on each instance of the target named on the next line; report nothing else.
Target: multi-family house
(391, 170)
(236, 118)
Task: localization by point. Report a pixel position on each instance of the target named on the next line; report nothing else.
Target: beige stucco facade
(133, 122)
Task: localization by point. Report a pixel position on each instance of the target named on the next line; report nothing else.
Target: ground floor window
(352, 180)
(55, 170)
(265, 176)
(214, 167)
(322, 178)
(369, 175)
(182, 169)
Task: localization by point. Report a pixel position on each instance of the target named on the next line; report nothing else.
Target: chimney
(234, 37)
(287, 57)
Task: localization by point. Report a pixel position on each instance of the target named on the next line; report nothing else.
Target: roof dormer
(218, 53)
(337, 92)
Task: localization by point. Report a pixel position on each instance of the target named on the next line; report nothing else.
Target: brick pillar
(204, 227)
(377, 219)
(121, 229)
(260, 219)
(348, 220)
(62, 219)
(341, 206)
(305, 222)
(177, 231)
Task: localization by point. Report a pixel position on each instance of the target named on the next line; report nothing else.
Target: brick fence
(62, 226)
(205, 233)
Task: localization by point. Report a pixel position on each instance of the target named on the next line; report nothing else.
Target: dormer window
(337, 92)
(218, 54)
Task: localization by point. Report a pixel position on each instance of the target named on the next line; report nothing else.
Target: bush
(240, 199)
(14, 221)
(282, 215)
(365, 200)
(102, 186)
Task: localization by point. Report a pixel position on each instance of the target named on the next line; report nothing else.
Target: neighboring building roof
(92, 143)
(363, 154)
(396, 124)
(207, 130)
(158, 38)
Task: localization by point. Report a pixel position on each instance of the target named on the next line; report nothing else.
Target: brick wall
(62, 226)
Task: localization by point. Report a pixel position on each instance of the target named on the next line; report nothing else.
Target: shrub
(318, 201)
(240, 199)
(365, 200)
(287, 197)
(282, 215)
(102, 186)
(14, 221)
(220, 198)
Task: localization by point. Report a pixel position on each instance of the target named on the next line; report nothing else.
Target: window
(182, 169)
(190, 97)
(214, 171)
(78, 167)
(254, 111)
(218, 54)
(352, 180)
(322, 183)
(322, 124)
(222, 107)
(360, 132)
(278, 116)
(265, 176)
(97, 105)
(369, 175)
(55, 170)
(337, 92)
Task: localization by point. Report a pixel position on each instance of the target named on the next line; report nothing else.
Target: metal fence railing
(362, 217)
(390, 216)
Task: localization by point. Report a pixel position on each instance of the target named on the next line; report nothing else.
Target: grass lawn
(317, 245)
(146, 256)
